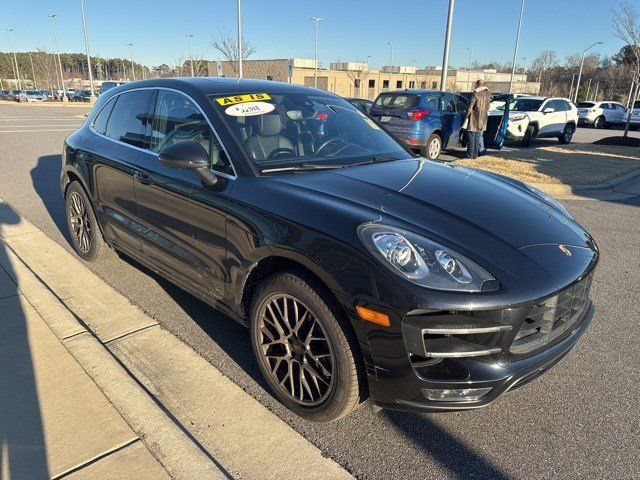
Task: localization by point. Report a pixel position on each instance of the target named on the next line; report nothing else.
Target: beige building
(354, 79)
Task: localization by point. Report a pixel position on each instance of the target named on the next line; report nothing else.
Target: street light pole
(469, 69)
(575, 94)
(92, 98)
(33, 72)
(595, 94)
(515, 50)
(239, 40)
(16, 69)
(191, 53)
(133, 70)
(317, 20)
(55, 38)
(573, 79)
(588, 90)
(447, 42)
(390, 53)
(524, 73)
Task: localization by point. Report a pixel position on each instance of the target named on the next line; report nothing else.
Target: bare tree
(227, 45)
(626, 26)
(357, 77)
(46, 68)
(546, 59)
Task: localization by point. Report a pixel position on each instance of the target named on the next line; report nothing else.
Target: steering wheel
(329, 142)
(280, 151)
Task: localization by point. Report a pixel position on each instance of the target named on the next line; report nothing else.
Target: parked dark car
(426, 120)
(81, 96)
(360, 270)
(361, 104)
(108, 85)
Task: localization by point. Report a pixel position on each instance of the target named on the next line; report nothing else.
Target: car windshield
(526, 104)
(586, 104)
(304, 131)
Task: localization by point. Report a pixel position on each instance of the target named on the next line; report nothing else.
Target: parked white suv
(601, 114)
(634, 111)
(541, 117)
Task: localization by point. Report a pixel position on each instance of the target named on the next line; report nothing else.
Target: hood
(482, 215)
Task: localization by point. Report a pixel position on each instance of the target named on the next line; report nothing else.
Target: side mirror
(548, 110)
(188, 156)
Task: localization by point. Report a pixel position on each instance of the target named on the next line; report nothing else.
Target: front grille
(548, 320)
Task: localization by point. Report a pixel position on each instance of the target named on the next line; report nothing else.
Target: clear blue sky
(352, 30)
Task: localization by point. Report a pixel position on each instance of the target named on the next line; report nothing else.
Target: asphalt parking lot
(580, 420)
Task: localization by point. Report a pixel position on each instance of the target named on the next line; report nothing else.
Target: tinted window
(447, 103)
(461, 104)
(128, 118)
(526, 105)
(397, 100)
(177, 119)
(586, 104)
(100, 122)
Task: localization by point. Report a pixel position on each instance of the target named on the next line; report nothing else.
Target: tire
(599, 122)
(283, 352)
(566, 136)
(528, 136)
(433, 147)
(86, 237)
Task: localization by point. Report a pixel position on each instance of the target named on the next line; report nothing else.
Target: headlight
(518, 117)
(423, 261)
(549, 199)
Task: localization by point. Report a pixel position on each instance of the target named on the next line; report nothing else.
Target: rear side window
(128, 118)
(586, 104)
(397, 101)
(100, 122)
(447, 103)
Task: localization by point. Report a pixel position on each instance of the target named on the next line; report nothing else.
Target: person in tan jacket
(476, 118)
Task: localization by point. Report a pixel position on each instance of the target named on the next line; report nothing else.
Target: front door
(553, 122)
(183, 219)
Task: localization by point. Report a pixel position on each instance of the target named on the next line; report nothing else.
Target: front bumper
(495, 351)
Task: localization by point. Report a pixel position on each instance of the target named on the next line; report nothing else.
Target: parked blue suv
(427, 120)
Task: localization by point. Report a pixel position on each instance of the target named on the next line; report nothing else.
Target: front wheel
(528, 136)
(567, 134)
(433, 147)
(304, 347)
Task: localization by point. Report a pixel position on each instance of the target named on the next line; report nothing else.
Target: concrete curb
(566, 189)
(163, 384)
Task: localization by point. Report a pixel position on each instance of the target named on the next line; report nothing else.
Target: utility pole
(575, 95)
(588, 90)
(595, 94)
(16, 69)
(92, 98)
(190, 36)
(55, 38)
(524, 73)
(33, 72)
(133, 69)
(316, 20)
(515, 50)
(573, 78)
(240, 40)
(447, 42)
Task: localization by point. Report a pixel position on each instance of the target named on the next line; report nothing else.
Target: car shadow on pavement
(45, 177)
(22, 443)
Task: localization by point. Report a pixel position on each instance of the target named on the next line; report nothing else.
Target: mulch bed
(619, 141)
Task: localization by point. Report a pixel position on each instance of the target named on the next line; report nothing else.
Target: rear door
(183, 220)
(392, 110)
(111, 156)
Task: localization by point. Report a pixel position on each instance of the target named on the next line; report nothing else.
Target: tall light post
(316, 21)
(447, 42)
(55, 38)
(573, 79)
(515, 50)
(190, 36)
(133, 70)
(240, 40)
(16, 69)
(33, 72)
(588, 90)
(470, 50)
(390, 53)
(92, 98)
(368, 57)
(575, 95)
(595, 94)
(524, 72)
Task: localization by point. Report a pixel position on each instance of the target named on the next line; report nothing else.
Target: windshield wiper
(306, 167)
(374, 160)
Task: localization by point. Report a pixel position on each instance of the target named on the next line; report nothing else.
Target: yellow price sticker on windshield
(247, 97)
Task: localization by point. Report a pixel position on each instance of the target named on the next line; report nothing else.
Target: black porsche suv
(360, 270)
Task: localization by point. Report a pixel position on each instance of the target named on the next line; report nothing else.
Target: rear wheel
(433, 147)
(86, 237)
(566, 136)
(304, 347)
(599, 122)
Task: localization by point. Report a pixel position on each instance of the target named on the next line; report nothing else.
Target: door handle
(143, 178)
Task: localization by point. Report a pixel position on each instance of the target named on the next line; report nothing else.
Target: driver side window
(177, 119)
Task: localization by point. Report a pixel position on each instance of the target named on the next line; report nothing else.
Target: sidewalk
(166, 409)
(54, 420)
